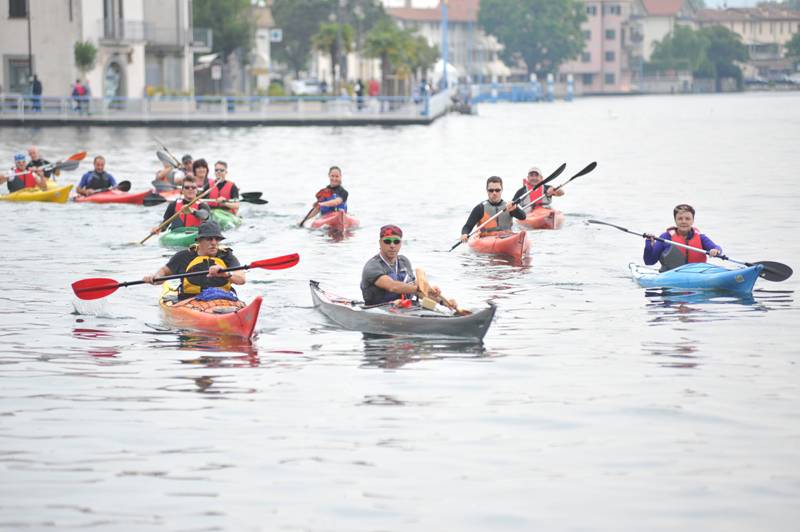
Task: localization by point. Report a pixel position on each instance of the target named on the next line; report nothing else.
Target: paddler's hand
(715, 252)
(511, 207)
(216, 271)
(155, 230)
(651, 238)
(149, 279)
(464, 238)
(435, 292)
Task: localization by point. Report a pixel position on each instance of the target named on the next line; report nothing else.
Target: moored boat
(180, 237)
(393, 320)
(219, 316)
(53, 194)
(508, 243)
(543, 218)
(336, 221)
(698, 276)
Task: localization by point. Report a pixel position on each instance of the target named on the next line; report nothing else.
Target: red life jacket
(26, 180)
(225, 193)
(534, 196)
(695, 242)
(189, 219)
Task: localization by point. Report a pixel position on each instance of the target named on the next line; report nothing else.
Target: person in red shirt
(20, 177)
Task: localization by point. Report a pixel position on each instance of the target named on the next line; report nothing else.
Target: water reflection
(674, 354)
(389, 352)
(97, 351)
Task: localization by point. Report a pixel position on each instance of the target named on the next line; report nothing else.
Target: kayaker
(96, 180)
(36, 163)
(200, 172)
(204, 255)
(186, 164)
(541, 197)
(168, 178)
(331, 198)
(224, 193)
(388, 276)
(185, 219)
(19, 177)
(683, 232)
(486, 209)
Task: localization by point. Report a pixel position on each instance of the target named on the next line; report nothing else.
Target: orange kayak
(219, 316)
(543, 218)
(514, 245)
(338, 221)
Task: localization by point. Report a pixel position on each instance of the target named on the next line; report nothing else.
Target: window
(587, 34)
(611, 35)
(587, 79)
(609, 57)
(586, 57)
(17, 75)
(615, 9)
(17, 8)
(591, 10)
(609, 79)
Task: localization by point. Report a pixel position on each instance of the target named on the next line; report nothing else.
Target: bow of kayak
(508, 243)
(698, 276)
(338, 221)
(181, 237)
(53, 194)
(543, 218)
(221, 316)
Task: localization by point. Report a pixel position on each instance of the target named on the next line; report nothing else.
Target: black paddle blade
(774, 271)
(153, 199)
(166, 159)
(124, 186)
(254, 201)
(251, 194)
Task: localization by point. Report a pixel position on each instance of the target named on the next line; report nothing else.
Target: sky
(709, 3)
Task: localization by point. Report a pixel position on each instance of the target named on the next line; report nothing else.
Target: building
(472, 52)
(140, 44)
(765, 30)
(652, 20)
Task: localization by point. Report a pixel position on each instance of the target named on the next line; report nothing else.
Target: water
(592, 404)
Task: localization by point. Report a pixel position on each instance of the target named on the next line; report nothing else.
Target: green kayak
(225, 219)
(180, 237)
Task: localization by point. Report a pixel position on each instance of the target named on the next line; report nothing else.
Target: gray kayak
(389, 319)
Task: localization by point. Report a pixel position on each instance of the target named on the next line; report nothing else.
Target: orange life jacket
(225, 193)
(535, 197)
(694, 241)
(189, 219)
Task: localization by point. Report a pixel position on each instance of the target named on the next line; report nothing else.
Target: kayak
(53, 194)
(219, 316)
(225, 219)
(180, 237)
(232, 208)
(514, 245)
(336, 221)
(114, 196)
(543, 218)
(390, 319)
(698, 276)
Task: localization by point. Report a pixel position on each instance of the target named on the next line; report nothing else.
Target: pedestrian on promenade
(36, 90)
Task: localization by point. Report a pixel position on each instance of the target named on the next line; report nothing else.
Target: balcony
(121, 30)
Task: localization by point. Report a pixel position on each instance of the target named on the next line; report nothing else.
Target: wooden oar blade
(152, 200)
(94, 288)
(277, 263)
(774, 271)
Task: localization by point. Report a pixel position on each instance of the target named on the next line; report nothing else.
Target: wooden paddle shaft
(169, 220)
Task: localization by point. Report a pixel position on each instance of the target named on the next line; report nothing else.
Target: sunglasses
(219, 170)
(533, 173)
(190, 188)
(494, 190)
(389, 241)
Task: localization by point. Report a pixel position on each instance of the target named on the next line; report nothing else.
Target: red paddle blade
(81, 155)
(94, 288)
(277, 263)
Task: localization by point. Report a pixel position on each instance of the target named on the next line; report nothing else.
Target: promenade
(192, 111)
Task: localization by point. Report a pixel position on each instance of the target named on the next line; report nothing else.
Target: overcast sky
(709, 3)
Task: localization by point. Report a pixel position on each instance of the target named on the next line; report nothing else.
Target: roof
(742, 14)
(663, 8)
(457, 11)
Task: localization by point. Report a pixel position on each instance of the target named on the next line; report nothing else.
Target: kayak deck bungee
(698, 276)
(180, 237)
(221, 316)
(508, 243)
(543, 218)
(226, 219)
(337, 221)
(392, 320)
(53, 194)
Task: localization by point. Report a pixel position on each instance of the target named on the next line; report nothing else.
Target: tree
(683, 49)
(231, 21)
(85, 55)
(400, 51)
(328, 40)
(299, 20)
(544, 33)
(725, 48)
(793, 47)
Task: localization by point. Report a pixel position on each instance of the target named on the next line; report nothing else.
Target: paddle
(307, 215)
(773, 271)
(255, 195)
(153, 199)
(429, 300)
(549, 178)
(169, 220)
(98, 287)
(591, 166)
(71, 163)
(171, 159)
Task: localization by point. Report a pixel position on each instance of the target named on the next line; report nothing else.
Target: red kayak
(543, 218)
(336, 221)
(114, 196)
(514, 245)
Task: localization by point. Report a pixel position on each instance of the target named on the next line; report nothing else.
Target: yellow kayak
(53, 194)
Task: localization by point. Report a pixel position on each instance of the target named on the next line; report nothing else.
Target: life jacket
(676, 256)
(18, 182)
(99, 181)
(327, 194)
(194, 285)
(208, 183)
(536, 197)
(501, 223)
(224, 193)
(189, 219)
(396, 274)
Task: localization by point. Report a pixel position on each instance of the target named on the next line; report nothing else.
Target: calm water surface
(591, 404)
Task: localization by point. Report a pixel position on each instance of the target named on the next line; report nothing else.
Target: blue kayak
(699, 276)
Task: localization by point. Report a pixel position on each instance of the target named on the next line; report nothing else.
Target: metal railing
(228, 108)
(121, 29)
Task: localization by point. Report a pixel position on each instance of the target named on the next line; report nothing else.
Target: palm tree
(328, 39)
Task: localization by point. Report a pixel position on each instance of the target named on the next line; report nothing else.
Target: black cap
(208, 229)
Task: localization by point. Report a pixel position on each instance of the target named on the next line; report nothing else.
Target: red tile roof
(457, 11)
(663, 8)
